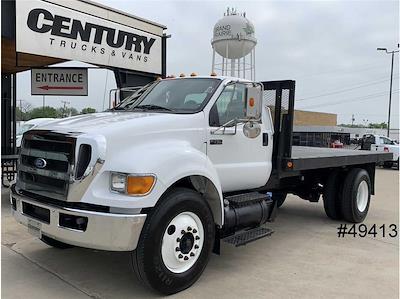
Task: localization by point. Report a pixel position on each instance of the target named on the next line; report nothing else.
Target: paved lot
(303, 259)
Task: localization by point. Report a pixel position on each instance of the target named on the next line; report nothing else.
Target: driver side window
(229, 105)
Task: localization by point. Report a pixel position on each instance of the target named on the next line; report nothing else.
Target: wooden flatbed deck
(304, 158)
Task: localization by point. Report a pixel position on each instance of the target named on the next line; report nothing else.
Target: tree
(66, 112)
(382, 125)
(22, 111)
(40, 112)
(88, 110)
(19, 115)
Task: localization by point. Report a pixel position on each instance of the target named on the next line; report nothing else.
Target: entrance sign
(59, 81)
(54, 30)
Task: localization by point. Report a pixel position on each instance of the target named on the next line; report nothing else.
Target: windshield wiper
(152, 107)
(117, 108)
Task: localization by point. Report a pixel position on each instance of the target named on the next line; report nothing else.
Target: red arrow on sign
(46, 87)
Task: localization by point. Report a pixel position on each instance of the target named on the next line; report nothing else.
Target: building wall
(309, 118)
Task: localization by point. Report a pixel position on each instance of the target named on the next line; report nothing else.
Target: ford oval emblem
(40, 163)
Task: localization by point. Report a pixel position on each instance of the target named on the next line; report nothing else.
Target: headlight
(118, 182)
(132, 184)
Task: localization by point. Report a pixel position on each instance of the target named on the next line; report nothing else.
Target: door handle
(265, 139)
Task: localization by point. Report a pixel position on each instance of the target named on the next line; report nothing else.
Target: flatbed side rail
(279, 98)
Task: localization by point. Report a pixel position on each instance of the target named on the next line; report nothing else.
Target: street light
(391, 82)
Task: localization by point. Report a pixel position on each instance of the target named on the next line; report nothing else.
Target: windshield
(176, 96)
(24, 128)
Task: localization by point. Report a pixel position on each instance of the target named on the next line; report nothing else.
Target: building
(40, 33)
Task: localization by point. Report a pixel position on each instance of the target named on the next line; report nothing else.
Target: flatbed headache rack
(288, 160)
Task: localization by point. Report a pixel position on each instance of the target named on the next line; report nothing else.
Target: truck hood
(101, 123)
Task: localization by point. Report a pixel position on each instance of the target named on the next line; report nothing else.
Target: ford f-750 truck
(177, 167)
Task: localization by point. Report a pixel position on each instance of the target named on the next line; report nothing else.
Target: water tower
(234, 41)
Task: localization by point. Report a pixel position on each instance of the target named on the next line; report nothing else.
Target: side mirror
(254, 99)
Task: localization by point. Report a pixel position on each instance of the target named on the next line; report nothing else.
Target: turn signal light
(251, 102)
(289, 164)
(139, 185)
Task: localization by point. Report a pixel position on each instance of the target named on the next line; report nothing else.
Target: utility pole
(391, 83)
(65, 108)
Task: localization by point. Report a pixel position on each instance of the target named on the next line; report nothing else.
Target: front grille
(51, 180)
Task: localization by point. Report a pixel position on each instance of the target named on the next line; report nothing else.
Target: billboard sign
(55, 30)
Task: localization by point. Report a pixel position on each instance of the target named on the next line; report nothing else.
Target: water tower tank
(233, 40)
(233, 36)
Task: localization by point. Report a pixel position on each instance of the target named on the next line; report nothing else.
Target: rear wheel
(332, 196)
(356, 195)
(175, 243)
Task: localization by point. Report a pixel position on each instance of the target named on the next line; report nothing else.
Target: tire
(54, 243)
(355, 201)
(279, 197)
(332, 196)
(158, 265)
(387, 164)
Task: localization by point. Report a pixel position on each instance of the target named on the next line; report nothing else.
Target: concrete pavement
(304, 258)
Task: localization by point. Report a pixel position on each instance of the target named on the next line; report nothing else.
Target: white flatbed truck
(177, 167)
(379, 143)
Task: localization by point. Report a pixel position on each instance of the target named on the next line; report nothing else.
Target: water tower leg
(251, 65)
(244, 67)
(227, 59)
(213, 62)
(254, 63)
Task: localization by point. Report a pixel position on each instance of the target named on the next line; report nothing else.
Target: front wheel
(175, 243)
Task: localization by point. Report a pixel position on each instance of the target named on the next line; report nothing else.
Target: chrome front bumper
(105, 231)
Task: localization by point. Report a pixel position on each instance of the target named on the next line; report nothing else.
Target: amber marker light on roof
(251, 102)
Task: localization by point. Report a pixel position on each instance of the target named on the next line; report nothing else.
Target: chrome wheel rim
(362, 196)
(182, 242)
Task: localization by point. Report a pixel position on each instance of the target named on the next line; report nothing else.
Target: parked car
(29, 125)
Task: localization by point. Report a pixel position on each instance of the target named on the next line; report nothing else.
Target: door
(241, 162)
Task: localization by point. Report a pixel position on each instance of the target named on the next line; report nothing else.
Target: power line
(363, 68)
(367, 97)
(360, 85)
